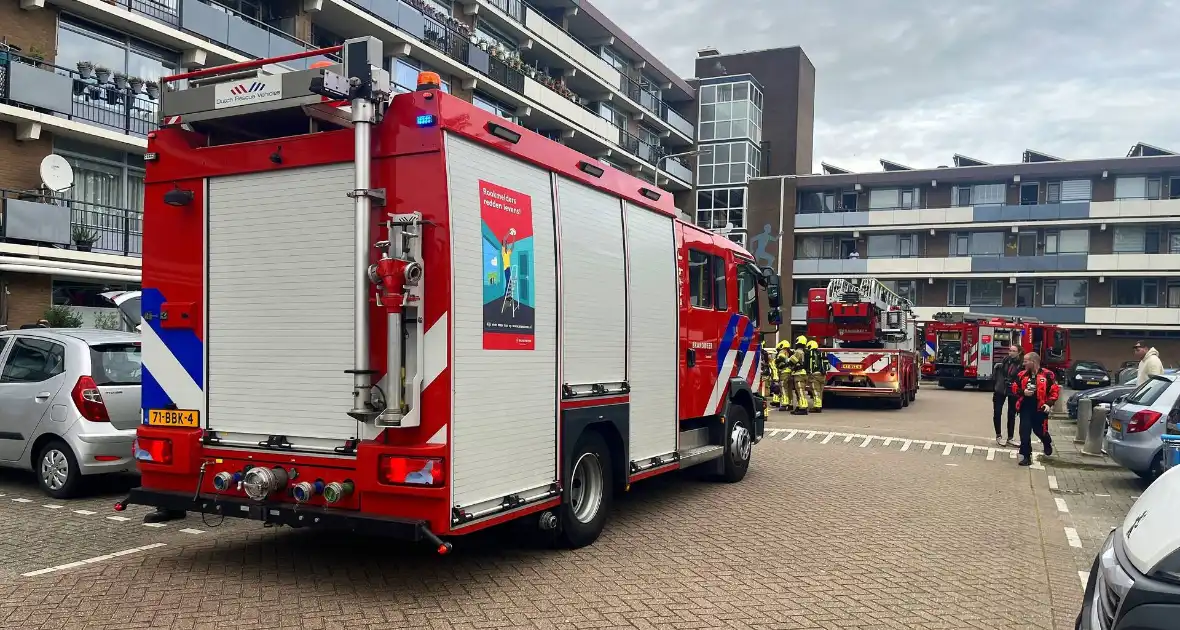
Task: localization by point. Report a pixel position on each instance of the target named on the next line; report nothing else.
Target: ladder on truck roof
(866, 290)
(960, 318)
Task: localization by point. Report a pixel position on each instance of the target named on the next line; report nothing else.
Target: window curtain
(883, 199)
(985, 194)
(1130, 187)
(98, 199)
(1129, 240)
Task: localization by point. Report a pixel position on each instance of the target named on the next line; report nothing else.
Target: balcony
(1133, 316)
(636, 92)
(676, 121)
(1133, 262)
(565, 43)
(677, 169)
(1033, 212)
(222, 25)
(37, 219)
(42, 93)
(1134, 208)
(920, 267)
(1014, 264)
(512, 8)
(640, 149)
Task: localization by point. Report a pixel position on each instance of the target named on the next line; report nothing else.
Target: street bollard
(1095, 432)
(1085, 416)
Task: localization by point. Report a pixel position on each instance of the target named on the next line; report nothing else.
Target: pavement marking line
(22, 500)
(888, 441)
(774, 432)
(970, 449)
(52, 507)
(1052, 482)
(790, 435)
(928, 445)
(991, 454)
(1012, 455)
(189, 530)
(1061, 506)
(1085, 575)
(868, 438)
(1102, 495)
(829, 438)
(848, 438)
(154, 525)
(118, 518)
(906, 446)
(952, 464)
(810, 434)
(79, 563)
(947, 450)
(85, 512)
(1071, 535)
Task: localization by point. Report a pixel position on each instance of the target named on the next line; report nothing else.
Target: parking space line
(848, 438)
(1061, 506)
(22, 500)
(85, 512)
(928, 445)
(905, 447)
(970, 449)
(52, 507)
(888, 441)
(866, 442)
(157, 525)
(189, 530)
(118, 518)
(92, 560)
(1085, 575)
(947, 450)
(828, 438)
(991, 454)
(1052, 482)
(790, 435)
(810, 434)
(1071, 535)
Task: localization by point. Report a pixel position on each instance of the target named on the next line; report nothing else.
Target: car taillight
(411, 471)
(88, 400)
(154, 450)
(1142, 420)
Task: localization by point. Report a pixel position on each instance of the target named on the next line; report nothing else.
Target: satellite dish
(56, 173)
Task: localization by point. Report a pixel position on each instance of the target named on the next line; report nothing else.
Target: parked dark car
(1086, 374)
(1105, 395)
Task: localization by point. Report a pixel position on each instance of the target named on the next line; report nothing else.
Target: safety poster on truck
(509, 303)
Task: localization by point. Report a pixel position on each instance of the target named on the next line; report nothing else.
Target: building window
(1029, 193)
(485, 30)
(719, 207)
(1069, 190)
(803, 287)
(977, 244)
(976, 293)
(979, 195)
(731, 110)
(824, 247)
(1134, 292)
(1135, 239)
(848, 201)
(728, 163)
(490, 104)
(615, 59)
(405, 75)
(1174, 188)
(892, 246)
(907, 289)
(1137, 188)
(706, 280)
(1065, 292)
(893, 198)
(1025, 294)
(612, 115)
(1067, 242)
(86, 294)
(1053, 192)
(107, 195)
(1173, 294)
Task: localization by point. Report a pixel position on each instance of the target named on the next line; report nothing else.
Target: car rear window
(1150, 391)
(116, 364)
(1089, 365)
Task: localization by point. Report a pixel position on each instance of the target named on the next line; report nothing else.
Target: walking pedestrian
(1005, 374)
(1149, 362)
(1037, 392)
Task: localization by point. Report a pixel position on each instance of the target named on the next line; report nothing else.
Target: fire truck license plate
(174, 417)
(852, 367)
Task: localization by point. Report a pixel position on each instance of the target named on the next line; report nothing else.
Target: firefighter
(799, 376)
(765, 371)
(782, 364)
(817, 365)
(1036, 392)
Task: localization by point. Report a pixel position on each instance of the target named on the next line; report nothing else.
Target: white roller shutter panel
(504, 404)
(654, 338)
(1130, 188)
(593, 285)
(1076, 190)
(883, 198)
(280, 306)
(988, 194)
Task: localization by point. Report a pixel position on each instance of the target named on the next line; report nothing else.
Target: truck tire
(588, 494)
(739, 444)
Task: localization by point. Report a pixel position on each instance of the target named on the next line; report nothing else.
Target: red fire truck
(410, 316)
(966, 348)
(871, 334)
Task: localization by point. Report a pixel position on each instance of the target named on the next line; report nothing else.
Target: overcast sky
(916, 81)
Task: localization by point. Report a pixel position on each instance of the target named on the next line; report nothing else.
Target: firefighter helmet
(784, 344)
(801, 340)
(812, 345)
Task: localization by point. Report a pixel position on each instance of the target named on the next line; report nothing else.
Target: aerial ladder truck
(868, 333)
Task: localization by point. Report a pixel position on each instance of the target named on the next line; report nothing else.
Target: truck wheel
(588, 494)
(905, 399)
(739, 445)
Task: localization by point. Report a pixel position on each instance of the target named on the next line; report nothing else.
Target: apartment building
(754, 117)
(1091, 244)
(80, 79)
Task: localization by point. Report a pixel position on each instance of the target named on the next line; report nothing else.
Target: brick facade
(34, 32)
(25, 297)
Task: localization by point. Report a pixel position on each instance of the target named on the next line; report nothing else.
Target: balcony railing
(636, 92)
(513, 8)
(510, 78)
(678, 122)
(678, 169)
(640, 149)
(38, 218)
(109, 101)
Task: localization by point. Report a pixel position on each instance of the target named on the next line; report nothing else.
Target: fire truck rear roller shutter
(504, 404)
(653, 338)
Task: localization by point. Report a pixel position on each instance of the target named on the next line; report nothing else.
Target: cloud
(915, 81)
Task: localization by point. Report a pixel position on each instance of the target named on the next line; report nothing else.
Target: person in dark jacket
(1005, 374)
(1036, 390)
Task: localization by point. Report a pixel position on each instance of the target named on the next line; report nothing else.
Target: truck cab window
(700, 283)
(720, 289)
(748, 292)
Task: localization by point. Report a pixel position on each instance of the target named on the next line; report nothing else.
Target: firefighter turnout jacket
(1045, 387)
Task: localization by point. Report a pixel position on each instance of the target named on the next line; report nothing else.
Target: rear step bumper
(283, 514)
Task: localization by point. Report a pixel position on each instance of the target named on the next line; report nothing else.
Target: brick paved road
(829, 530)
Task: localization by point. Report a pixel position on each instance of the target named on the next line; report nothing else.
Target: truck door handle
(42, 397)
(691, 357)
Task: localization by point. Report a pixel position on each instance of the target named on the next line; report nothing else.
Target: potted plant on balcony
(85, 69)
(84, 237)
(37, 57)
(120, 79)
(136, 85)
(153, 89)
(102, 73)
(62, 316)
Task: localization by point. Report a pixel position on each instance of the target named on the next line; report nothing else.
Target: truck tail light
(154, 450)
(1143, 420)
(970, 371)
(411, 471)
(89, 401)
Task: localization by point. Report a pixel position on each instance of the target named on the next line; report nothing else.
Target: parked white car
(69, 403)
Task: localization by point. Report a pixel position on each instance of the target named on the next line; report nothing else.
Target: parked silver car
(1136, 424)
(69, 403)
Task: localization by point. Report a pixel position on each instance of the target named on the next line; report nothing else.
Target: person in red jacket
(1036, 392)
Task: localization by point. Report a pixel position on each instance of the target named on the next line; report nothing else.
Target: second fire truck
(868, 332)
(966, 348)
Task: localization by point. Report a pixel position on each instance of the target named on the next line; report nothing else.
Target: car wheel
(588, 495)
(1157, 467)
(57, 470)
(739, 445)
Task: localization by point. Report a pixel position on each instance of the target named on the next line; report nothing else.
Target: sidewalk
(1067, 453)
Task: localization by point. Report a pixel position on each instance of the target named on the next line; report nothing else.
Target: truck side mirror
(773, 289)
(775, 316)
